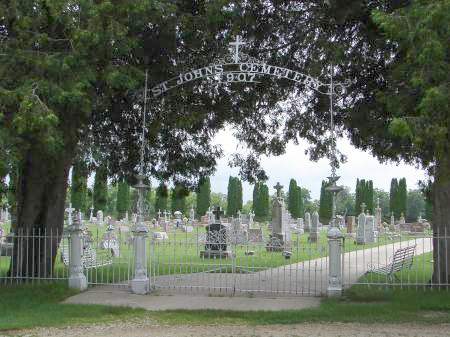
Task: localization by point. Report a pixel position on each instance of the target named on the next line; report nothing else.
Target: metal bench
(403, 258)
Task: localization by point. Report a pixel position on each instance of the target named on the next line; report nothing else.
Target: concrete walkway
(122, 297)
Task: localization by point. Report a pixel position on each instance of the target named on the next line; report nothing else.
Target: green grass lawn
(28, 306)
(181, 254)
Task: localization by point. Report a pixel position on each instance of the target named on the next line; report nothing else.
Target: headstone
(251, 216)
(392, 224)
(187, 228)
(351, 222)
(216, 241)
(160, 236)
(314, 230)
(402, 219)
(366, 229)
(127, 218)
(281, 231)
(178, 220)
(100, 217)
(300, 223)
(307, 223)
(192, 216)
(378, 215)
(70, 211)
(91, 215)
(255, 235)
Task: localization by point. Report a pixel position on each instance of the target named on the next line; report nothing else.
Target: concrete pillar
(335, 239)
(140, 283)
(77, 279)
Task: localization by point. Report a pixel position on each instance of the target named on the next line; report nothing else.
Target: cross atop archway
(236, 44)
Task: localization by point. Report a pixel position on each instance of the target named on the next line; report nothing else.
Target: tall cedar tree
(239, 194)
(161, 198)
(326, 204)
(402, 196)
(78, 190)
(101, 188)
(256, 205)
(123, 198)
(203, 196)
(393, 198)
(293, 199)
(301, 203)
(265, 201)
(364, 194)
(232, 197)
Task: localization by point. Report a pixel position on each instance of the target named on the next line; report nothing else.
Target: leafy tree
(78, 189)
(383, 196)
(415, 205)
(345, 202)
(218, 199)
(112, 199)
(325, 204)
(100, 189)
(178, 198)
(203, 196)
(123, 198)
(293, 199)
(161, 198)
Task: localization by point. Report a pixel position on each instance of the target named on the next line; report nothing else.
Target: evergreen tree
(326, 204)
(239, 194)
(402, 196)
(78, 190)
(265, 201)
(123, 198)
(293, 199)
(232, 197)
(301, 204)
(203, 196)
(161, 198)
(257, 202)
(101, 188)
(393, 197)
(369, 197)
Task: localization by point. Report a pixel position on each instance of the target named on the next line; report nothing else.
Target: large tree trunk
(441, 220)
(41, 194)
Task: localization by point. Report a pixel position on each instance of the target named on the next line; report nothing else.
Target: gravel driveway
(299, 330)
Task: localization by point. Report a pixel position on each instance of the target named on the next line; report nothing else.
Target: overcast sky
(295, 164)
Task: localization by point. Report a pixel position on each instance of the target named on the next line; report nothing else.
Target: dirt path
(300, 330)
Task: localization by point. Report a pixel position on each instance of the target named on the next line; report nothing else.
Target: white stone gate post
(77, 279)
(335, 239)
(140, 283)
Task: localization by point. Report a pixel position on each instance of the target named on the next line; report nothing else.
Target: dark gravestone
(216, 242)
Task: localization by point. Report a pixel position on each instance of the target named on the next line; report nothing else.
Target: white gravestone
(100, 218)
(314, 230)
(307, 222)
